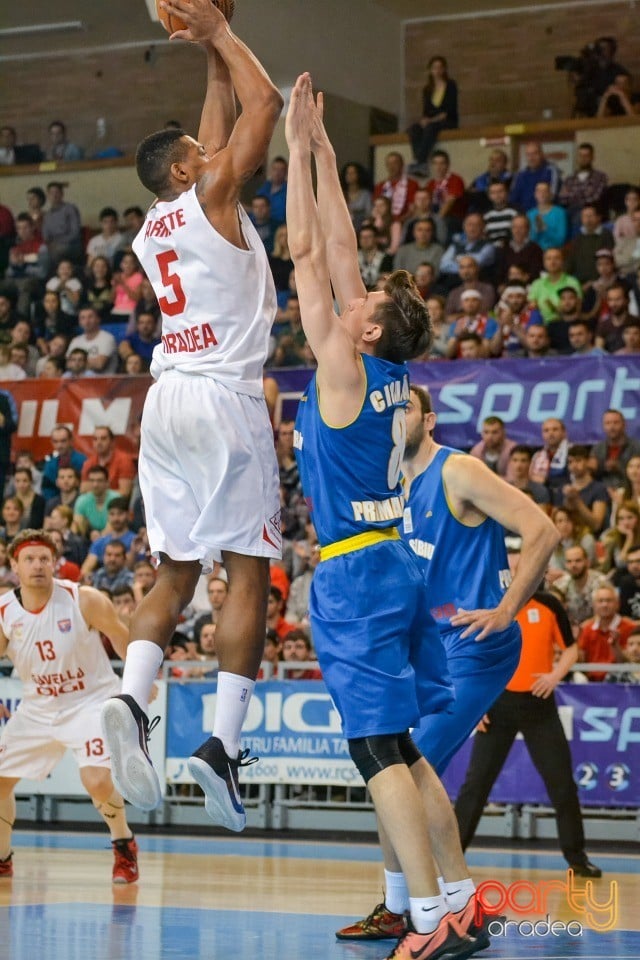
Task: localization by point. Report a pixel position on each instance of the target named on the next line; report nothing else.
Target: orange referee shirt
(540, 633)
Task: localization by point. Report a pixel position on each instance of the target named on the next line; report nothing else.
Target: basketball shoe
(217, 774)
(381, 924)
(474, 922)
(125, 860)
(446, 941)
(126, 730)
(6, 867)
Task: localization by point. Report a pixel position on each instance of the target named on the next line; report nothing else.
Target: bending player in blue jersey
(379, 650)
(454, 521)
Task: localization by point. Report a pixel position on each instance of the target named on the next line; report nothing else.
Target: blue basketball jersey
(351, 475)
(465, 566)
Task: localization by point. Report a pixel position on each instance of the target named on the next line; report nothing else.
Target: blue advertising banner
(523, 393)
(293, 727)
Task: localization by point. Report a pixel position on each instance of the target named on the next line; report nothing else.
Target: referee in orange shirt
(528, 706)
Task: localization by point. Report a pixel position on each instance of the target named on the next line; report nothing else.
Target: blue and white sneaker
(126, 730)
(217, 774)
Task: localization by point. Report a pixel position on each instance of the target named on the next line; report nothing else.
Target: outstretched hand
(204, 20)
(300, 122)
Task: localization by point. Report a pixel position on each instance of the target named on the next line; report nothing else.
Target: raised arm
(219, 109)
(342, 245)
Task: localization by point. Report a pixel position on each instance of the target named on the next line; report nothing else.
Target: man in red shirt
(446, 189)
(603, 638)
(120, 465)
(398, 187)
(28, 264)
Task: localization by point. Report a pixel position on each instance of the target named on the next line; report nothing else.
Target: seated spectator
(609, 330)
(496, 172)
(119, 465)
(36, 200)
(549, 465)
(520, 252)
(400, 190)
(518, 476)
(275, 613)
(620, 539)
(423, 249)
(603, 638)
(75, 545)
(573, 533)
(49, 321)
(627, 581)
(69, 288)
(99, 344)
(547, 221)
(135, 366)
(419, 209)
(19, 355)
(447, 192)
(113, 572)
(631, 339)
(144, 574)
(22, 335)
(630, 484)
(537, 170)
(106, 243)
(472, 320)
(63, 569)
(133, 221)
(63, 455)
(77, 365)
(12, 153)
(592, 237)
(584, 495)
(143, 342)
(291, 339)
(272, 653)
(631, 656)
(381, 219)
(514, 315)
(586, 186)
(356, 186)
(495, 447)
(53, 368)
(148, 303)
(627, 250)
(12, 514)
(59, 148)
(298, 599)
(425, 280)
(576, 587)
(206, 640)
(544, 292)
(275, 189)
(28, 264)
(56, 353)
(470, 243)
(439, 112)
(68, 484)
(126, 283)
(260, 216)
(594, 304)
(581, 339)
(624, 227)
(469, 272)
(90, 512)
(435, 306)
(9, 370)
(619, 100)
(217, 590)
(61, 226)
(33, 504)
(471, 346)
(117, 529)
(499, 216)
(373, 262)
(569, 312)
(280, 260)
(536, 343)
(296, 647)
(99, 292)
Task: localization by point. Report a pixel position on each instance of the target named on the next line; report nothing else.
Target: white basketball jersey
(218, 301)
(60, 661)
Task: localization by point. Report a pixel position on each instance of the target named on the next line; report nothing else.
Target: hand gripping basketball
(172, 22)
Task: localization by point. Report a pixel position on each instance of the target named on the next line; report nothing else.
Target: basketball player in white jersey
(49, 629)
(208, 471)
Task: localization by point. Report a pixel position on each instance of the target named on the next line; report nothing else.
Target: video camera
(584, 71)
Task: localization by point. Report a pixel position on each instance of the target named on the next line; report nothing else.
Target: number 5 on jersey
(170, 280)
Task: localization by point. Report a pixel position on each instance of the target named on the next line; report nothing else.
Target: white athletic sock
(458, 893)
(441, 885)
(427, 912)
(144, 659)
(396, 896)
(232, 703)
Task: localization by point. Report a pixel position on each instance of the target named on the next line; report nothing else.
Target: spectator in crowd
(36, 200)
(69, 288)
(577, 585)
(55, 353)
(469, 272)
(568, 313)
(61, 226)
(382, 219)
(28, 264)
(144, 574)
(22, 336)
(619, 100)
(49, 322)
(19, 355)
(607, 69)
(447, 192)
(549, 465)
(12, 153)
(63, 569)
(631, 340)
(275, 613)
(472, 320)
(117, 529)
(33, 504)
(518, 476)
(421, 208)
(547, 221)
(471, 346)
(630, 488)
(8, 369)
(99, 291)
(627, 249)
(609, 329)
(275, 189)
(423, 249)
(272, 653)
(68, 484)
(496, 172)
(624, 227)
(133, 219)
(106, 243)
(436, 308)
(143, 342)
(520, 252)
(470, 243)
(118, 464)
(574, 532)
(603, 637)
(544, 292)
(59, 148)
(592, 238)
(536, 343)
(584, 495)
(495, 447)
(499, 217)
(281, 263)
(631, 656)
(99, 344)
(356, 186)
(75, 545)
(425, 280)
(90, 511)
(627, 581)
(77, 365)
(581, 339)
(400, 191)
(260, 216)
(12, 514)
(53, 368)
(373, 262)
(147, 303)
(113, 572)
(298, 600)
(296, 647)
(439, 112)
(217, 590)
(619, 539)
(63, 455)
(586, 186)
(126, 283)
(514, 316)
(537, 169)
(595, 291)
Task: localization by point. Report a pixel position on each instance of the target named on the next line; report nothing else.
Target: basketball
(171, 23)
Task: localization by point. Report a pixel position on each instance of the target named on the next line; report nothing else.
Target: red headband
(32, 543)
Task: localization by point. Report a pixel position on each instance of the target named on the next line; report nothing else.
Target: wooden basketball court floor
(218, 898)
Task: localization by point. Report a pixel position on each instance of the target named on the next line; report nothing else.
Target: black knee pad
(373, 754)
(409, 751)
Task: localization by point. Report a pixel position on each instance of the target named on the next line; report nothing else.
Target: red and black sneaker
(474, 922)
(381, 924)
(446, 941)
(125, 861)
(6, 867)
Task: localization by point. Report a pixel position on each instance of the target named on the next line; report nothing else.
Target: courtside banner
(602, 724)
(523, 393)
(292, 726)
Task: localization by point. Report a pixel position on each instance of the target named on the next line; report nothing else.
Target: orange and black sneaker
(446, 941)
(125, 861)
(474, 922)
(6, 867)
(381, 924)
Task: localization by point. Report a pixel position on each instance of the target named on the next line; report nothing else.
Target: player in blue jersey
(454, 521)
(379, 650)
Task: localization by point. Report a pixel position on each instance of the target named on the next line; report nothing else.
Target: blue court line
(308, 850)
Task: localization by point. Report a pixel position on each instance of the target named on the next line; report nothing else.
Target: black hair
(39, 193)
(404, 318)
(154, 157)
(424, 398)
(108, 212)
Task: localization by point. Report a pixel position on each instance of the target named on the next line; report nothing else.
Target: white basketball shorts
(208, 471)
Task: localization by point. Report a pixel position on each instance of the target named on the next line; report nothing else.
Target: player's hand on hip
(544, 685)
(301, 113)
(482, 622)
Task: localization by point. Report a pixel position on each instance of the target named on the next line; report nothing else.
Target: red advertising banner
(83, 405)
